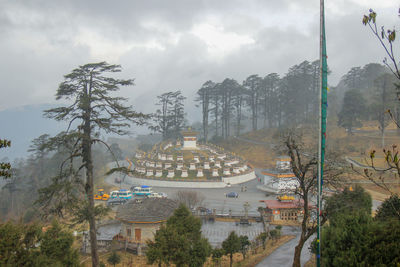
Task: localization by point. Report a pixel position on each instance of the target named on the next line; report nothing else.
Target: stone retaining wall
(238, 179)
(187, 184)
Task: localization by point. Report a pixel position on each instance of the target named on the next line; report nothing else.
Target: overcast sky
(170, 45)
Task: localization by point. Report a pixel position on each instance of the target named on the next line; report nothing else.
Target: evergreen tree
(348, 202)
(28, 245)
(92, 110)
(169, 119)
(356, 240)
(5, 167)
(389, 209)
(383, 100)
(253, 89)
(231, 245)
(179, 241)
(217, 254)
(204, 95)
(352, 111)
(244, 245)
(114, 258)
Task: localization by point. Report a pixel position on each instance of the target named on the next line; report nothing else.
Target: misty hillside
(23, 125)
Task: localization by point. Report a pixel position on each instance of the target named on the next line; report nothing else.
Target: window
(128, 232)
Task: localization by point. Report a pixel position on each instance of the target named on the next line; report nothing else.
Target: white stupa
(189, 140)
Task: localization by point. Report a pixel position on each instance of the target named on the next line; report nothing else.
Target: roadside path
(283, 256)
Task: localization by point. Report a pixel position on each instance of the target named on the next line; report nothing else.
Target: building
(189, 140)
(141, 218)
(280, 179)
(284, 208)
(107, 231)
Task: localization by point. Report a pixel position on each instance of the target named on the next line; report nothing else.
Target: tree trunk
(297, 253)
(89, 192)
(88, 162)
(231, 256)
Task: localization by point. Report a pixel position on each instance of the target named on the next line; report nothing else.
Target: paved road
(216, 232)
(283, 256)
(214, 198)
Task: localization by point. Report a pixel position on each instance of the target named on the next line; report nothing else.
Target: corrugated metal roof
(108, 231)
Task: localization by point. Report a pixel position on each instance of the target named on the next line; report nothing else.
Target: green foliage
(157, 250)
(179, 241)
(231, 245)
(27, 245)
(114, 258)
(92, 110)
(5, 167)
(263, 238)
(244, 245)
(275, 233)
(356, 240)
(348, 202)
(169, 120)
(30, 215)
(389, 209)
(352, 111)
(56, 244)
(217, 254)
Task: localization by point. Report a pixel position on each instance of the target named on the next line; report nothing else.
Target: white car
(154, 195)
(163, 195)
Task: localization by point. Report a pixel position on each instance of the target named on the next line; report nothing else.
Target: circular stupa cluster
(174, 160)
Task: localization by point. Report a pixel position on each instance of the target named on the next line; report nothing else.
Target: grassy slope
(357, 146)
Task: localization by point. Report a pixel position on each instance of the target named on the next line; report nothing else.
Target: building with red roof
(285, 208)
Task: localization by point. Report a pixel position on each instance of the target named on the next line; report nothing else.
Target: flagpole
(320, 164)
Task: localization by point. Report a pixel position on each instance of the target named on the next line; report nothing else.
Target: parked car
(154, 195)
(101, 195)
(232, 194)
(116, 201)
(163, 195)
(243, 222)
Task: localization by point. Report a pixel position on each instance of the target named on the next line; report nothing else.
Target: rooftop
(148, 210)
(276, 204)
(189, 133)
(279, 173)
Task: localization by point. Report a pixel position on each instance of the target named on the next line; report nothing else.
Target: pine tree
(91, 111)
(231, 245)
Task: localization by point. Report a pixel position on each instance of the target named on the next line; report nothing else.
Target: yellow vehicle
(101, 195)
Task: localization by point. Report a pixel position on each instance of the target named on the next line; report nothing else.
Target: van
(143, 190)
(125, 194)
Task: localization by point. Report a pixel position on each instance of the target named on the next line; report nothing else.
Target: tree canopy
(356, 240)
(31, 245)
(348, 202)
(352, 110)
(179, 241)
(389, 209)
(231, 245)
